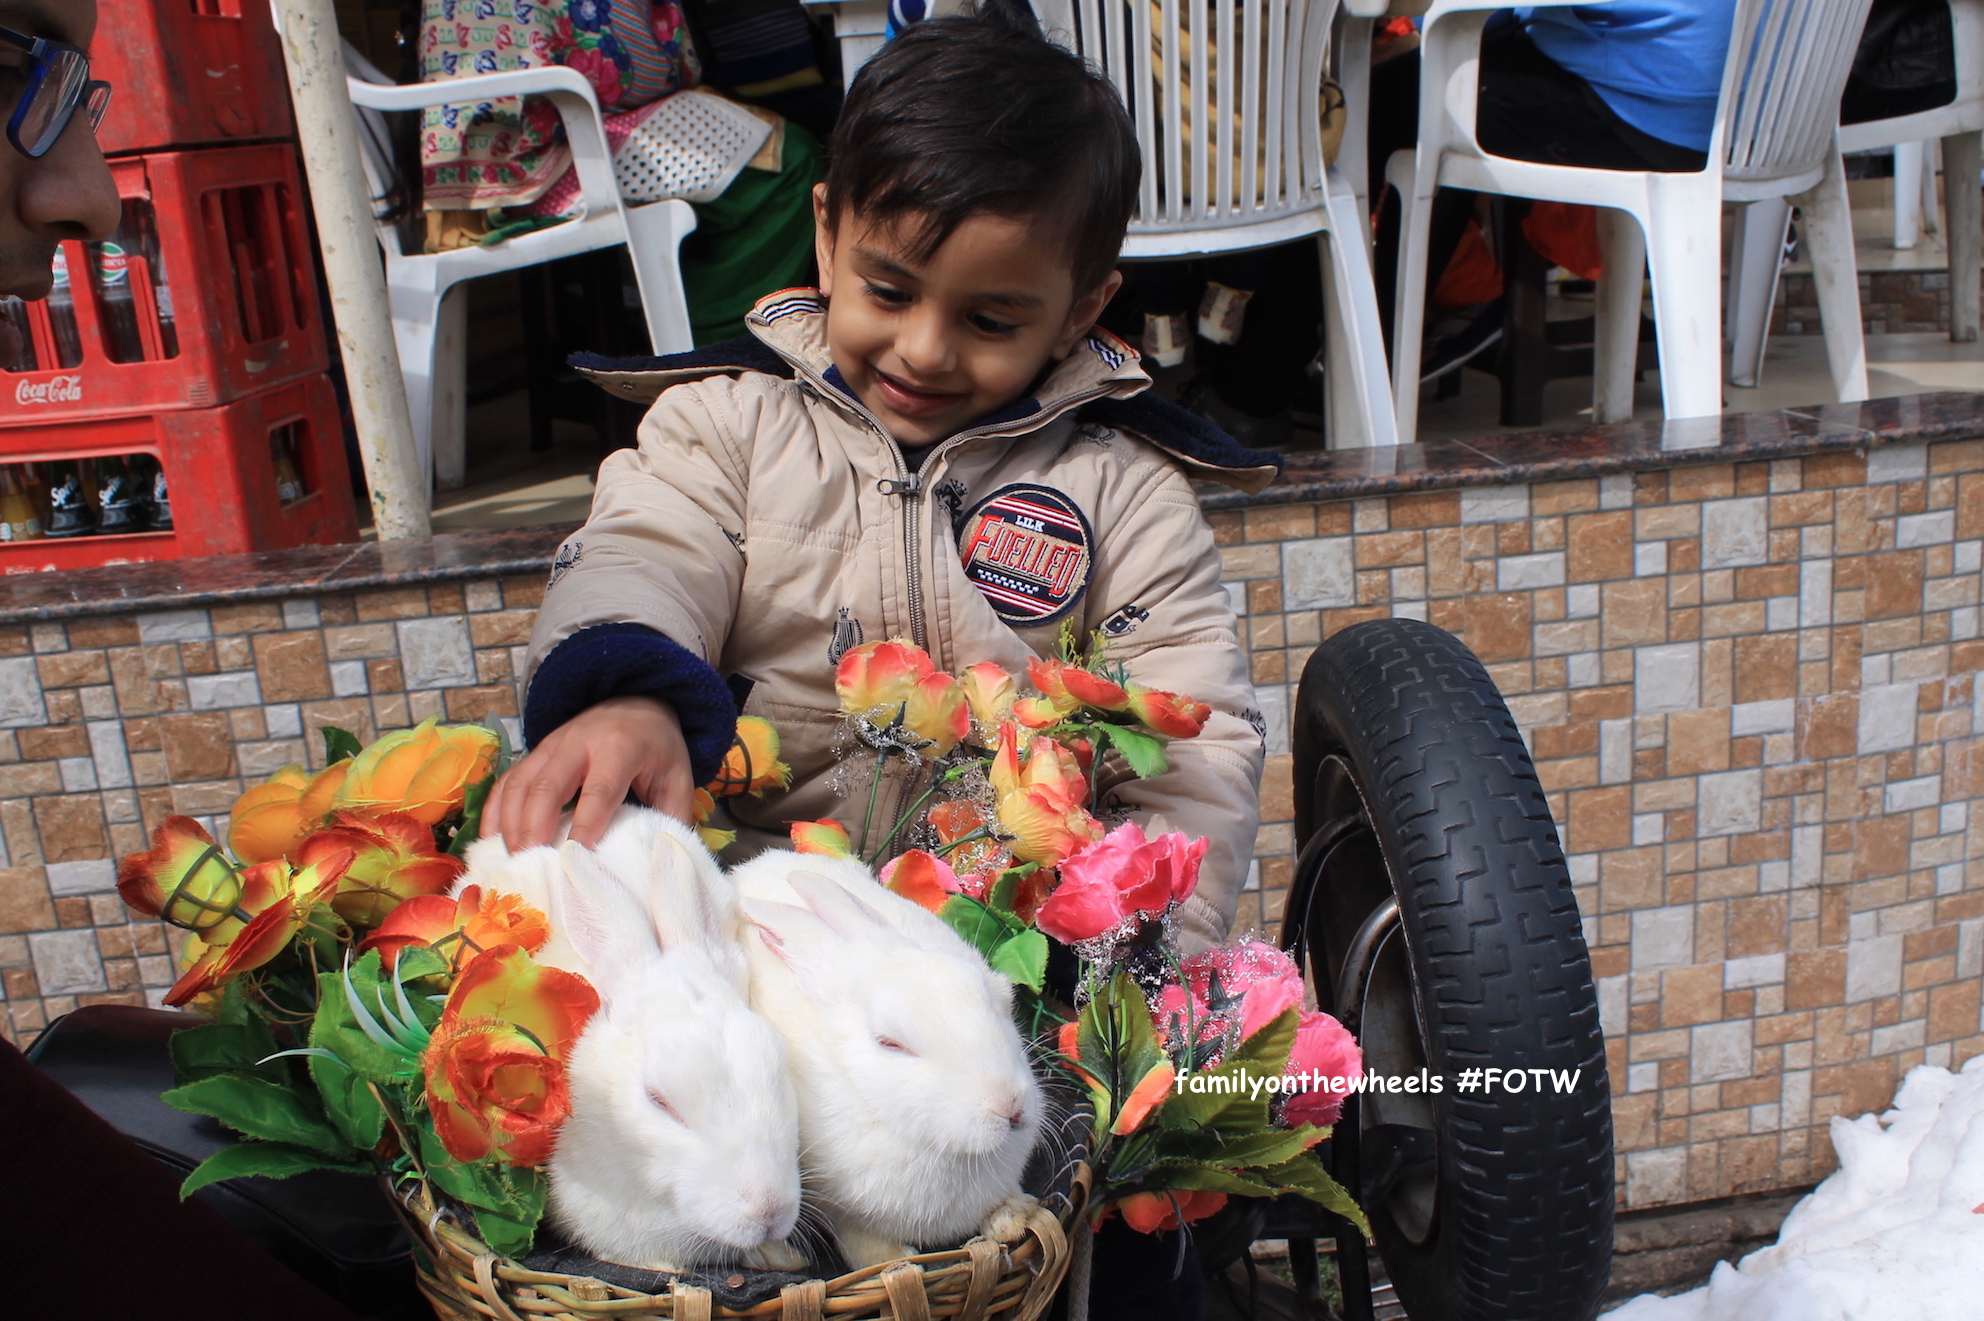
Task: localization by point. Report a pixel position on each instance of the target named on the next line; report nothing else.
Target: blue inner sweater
(1657, 63)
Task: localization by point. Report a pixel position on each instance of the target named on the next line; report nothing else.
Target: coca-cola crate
(207, 293)
(189, 73)
(220, 468)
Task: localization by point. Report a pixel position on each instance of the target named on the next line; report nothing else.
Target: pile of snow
(1898, 1231)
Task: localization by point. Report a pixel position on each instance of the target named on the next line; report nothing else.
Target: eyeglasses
(55, 81)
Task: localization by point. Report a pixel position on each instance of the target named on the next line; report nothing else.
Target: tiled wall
(1749, 688)
(1891, 302)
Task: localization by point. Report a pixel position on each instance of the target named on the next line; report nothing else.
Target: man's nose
(68, 193)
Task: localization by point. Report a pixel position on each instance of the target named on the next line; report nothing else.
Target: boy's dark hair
(982, 115)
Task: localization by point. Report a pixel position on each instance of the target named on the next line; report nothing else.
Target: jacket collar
(1101, 381)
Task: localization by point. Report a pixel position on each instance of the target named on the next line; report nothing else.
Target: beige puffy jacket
(767, 525)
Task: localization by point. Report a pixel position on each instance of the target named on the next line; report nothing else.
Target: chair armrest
(1459, 6)
(570, 92)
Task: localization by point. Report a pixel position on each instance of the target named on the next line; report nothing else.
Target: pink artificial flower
(1263, 976)
(1324, 1048)
(1121, 875)
(923, 878)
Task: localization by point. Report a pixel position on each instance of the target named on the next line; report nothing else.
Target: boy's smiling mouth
(909, 401)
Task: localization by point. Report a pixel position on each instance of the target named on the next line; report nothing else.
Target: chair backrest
(1224, 96)
(1788, 62)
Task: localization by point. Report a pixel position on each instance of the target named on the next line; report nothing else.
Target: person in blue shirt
(1629, 85)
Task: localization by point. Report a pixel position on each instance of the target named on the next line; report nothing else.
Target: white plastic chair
(1774, 123)
(1271, 56)
(429, 326)
(1757, 256)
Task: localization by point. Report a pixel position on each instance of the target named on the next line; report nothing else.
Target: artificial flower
(275, 902)
(715, 840)
(1323, 1048)
(937, 714)
(874, 681)
(1124, 877)
(922, 878)
(900, 699)
(989, 692)
(424, 772)
(393, 860)
(459, 927)
(1172, 714)
(273, 817)
(1146, 1096)
(827, 837)
(751, 766)
(183, 878)
(1152, 1213)
(495, 1066)
(978, 862)
(1257, 978)
(1040, 802)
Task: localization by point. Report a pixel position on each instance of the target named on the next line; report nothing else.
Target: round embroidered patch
(1027, 548)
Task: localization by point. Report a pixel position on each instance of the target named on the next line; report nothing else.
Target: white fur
(905, 1149)
(712, 1176)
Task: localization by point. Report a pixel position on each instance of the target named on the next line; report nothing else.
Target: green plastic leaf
(261, 1109)
(1000, 897)
(337, 1029)
(509, 1237)
(1118, 1045)
(339, 744)
(1228, 1104)
(219, 1048)
(1306, 1175)
(473, 801)
(348, 1100)
(979, 925)
(1022, 959)
(269, 1160)
(1144, 752)
(416, 962)
(511, 1192)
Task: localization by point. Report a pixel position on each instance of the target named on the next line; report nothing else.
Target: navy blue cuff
(633, 660)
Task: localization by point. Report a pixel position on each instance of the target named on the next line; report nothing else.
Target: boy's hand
(623, 743)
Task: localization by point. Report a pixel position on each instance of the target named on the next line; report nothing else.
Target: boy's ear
(823, 240)
(1082, 316)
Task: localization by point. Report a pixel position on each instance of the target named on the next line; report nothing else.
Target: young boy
(845, 476)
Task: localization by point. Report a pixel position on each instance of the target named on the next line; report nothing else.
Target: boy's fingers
(491, 825)
(594, 810)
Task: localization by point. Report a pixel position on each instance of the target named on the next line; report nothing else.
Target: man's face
(931, 346)
(66, 194)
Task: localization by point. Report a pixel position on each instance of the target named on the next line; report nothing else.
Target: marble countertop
(1537, 456)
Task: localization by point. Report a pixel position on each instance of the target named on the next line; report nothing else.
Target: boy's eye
(990, 325)
(881, 293)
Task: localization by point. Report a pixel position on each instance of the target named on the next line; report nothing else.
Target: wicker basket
(980, 1281)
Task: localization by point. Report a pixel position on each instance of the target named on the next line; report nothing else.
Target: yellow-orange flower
(393, 860)
(183, 878)
(1145, 1097)
(922, 878)
(1171, 714)
(460, 927)
(937, 714)
(905, 704)
(752, 765)
(275, 902)
(716, 841)
(274, 817)
(875, 680)
(989, 692)
(1040, 801)
(424, 771)
(828, 837)
(1151, 1213)
(496, 1064)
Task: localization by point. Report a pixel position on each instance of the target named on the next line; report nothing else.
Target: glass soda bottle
(168, 333)
(19, 520)
(62, 313)
(69, 512)
(110, 272)
(289, 480)
(120, 500)
(161, 504)
(16, 311)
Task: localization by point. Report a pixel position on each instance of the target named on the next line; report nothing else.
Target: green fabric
(755, 239)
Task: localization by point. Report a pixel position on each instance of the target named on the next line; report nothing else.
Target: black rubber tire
(1407, 759)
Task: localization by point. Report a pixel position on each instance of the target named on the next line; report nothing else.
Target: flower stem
(874, 787)
(945, 850)
(902, 821)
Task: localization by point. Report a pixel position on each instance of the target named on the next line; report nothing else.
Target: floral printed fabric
(508, 151)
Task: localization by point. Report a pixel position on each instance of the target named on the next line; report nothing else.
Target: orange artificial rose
(922, 878)
(1146, 1096)
(495, 1067)
(1172, 714)
(751, 766)
(274, 817)
(828, 837)
(275, 902)
(715, 840)
(1151, 1213)
(183, 878)
(424, 771)
(460, 927)
(875, 680)
(1040, 802)
(989, 692)
(393, 860)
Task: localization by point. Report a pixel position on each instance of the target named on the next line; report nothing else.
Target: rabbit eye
(890, 1043)
(661, 1104)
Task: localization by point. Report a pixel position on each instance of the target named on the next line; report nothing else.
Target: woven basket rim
(498, 1281)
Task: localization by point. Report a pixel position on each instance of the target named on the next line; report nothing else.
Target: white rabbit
(917, 1105)
(681, 1148)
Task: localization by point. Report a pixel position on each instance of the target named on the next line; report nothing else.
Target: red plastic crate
(220, 470)
(240, 275)
(189, 73)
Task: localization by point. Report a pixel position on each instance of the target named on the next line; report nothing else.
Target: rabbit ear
(841, 911)
(791, 933)
(600, 916)
(677, 905)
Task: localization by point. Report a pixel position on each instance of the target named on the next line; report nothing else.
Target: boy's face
(931, 346)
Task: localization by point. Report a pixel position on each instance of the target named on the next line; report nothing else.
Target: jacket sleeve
(1157, 579)
(641, 597)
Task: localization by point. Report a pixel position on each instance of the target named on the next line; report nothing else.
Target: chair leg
(1963, 157)
(1616, 321)
(415, 314)
(1755, 258)
(1409, 309)
(1908, 165)
(1829, 237)
(1357, 400)
(1523, 364)
(449, 433)
(654, 241)
(1683, 241)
